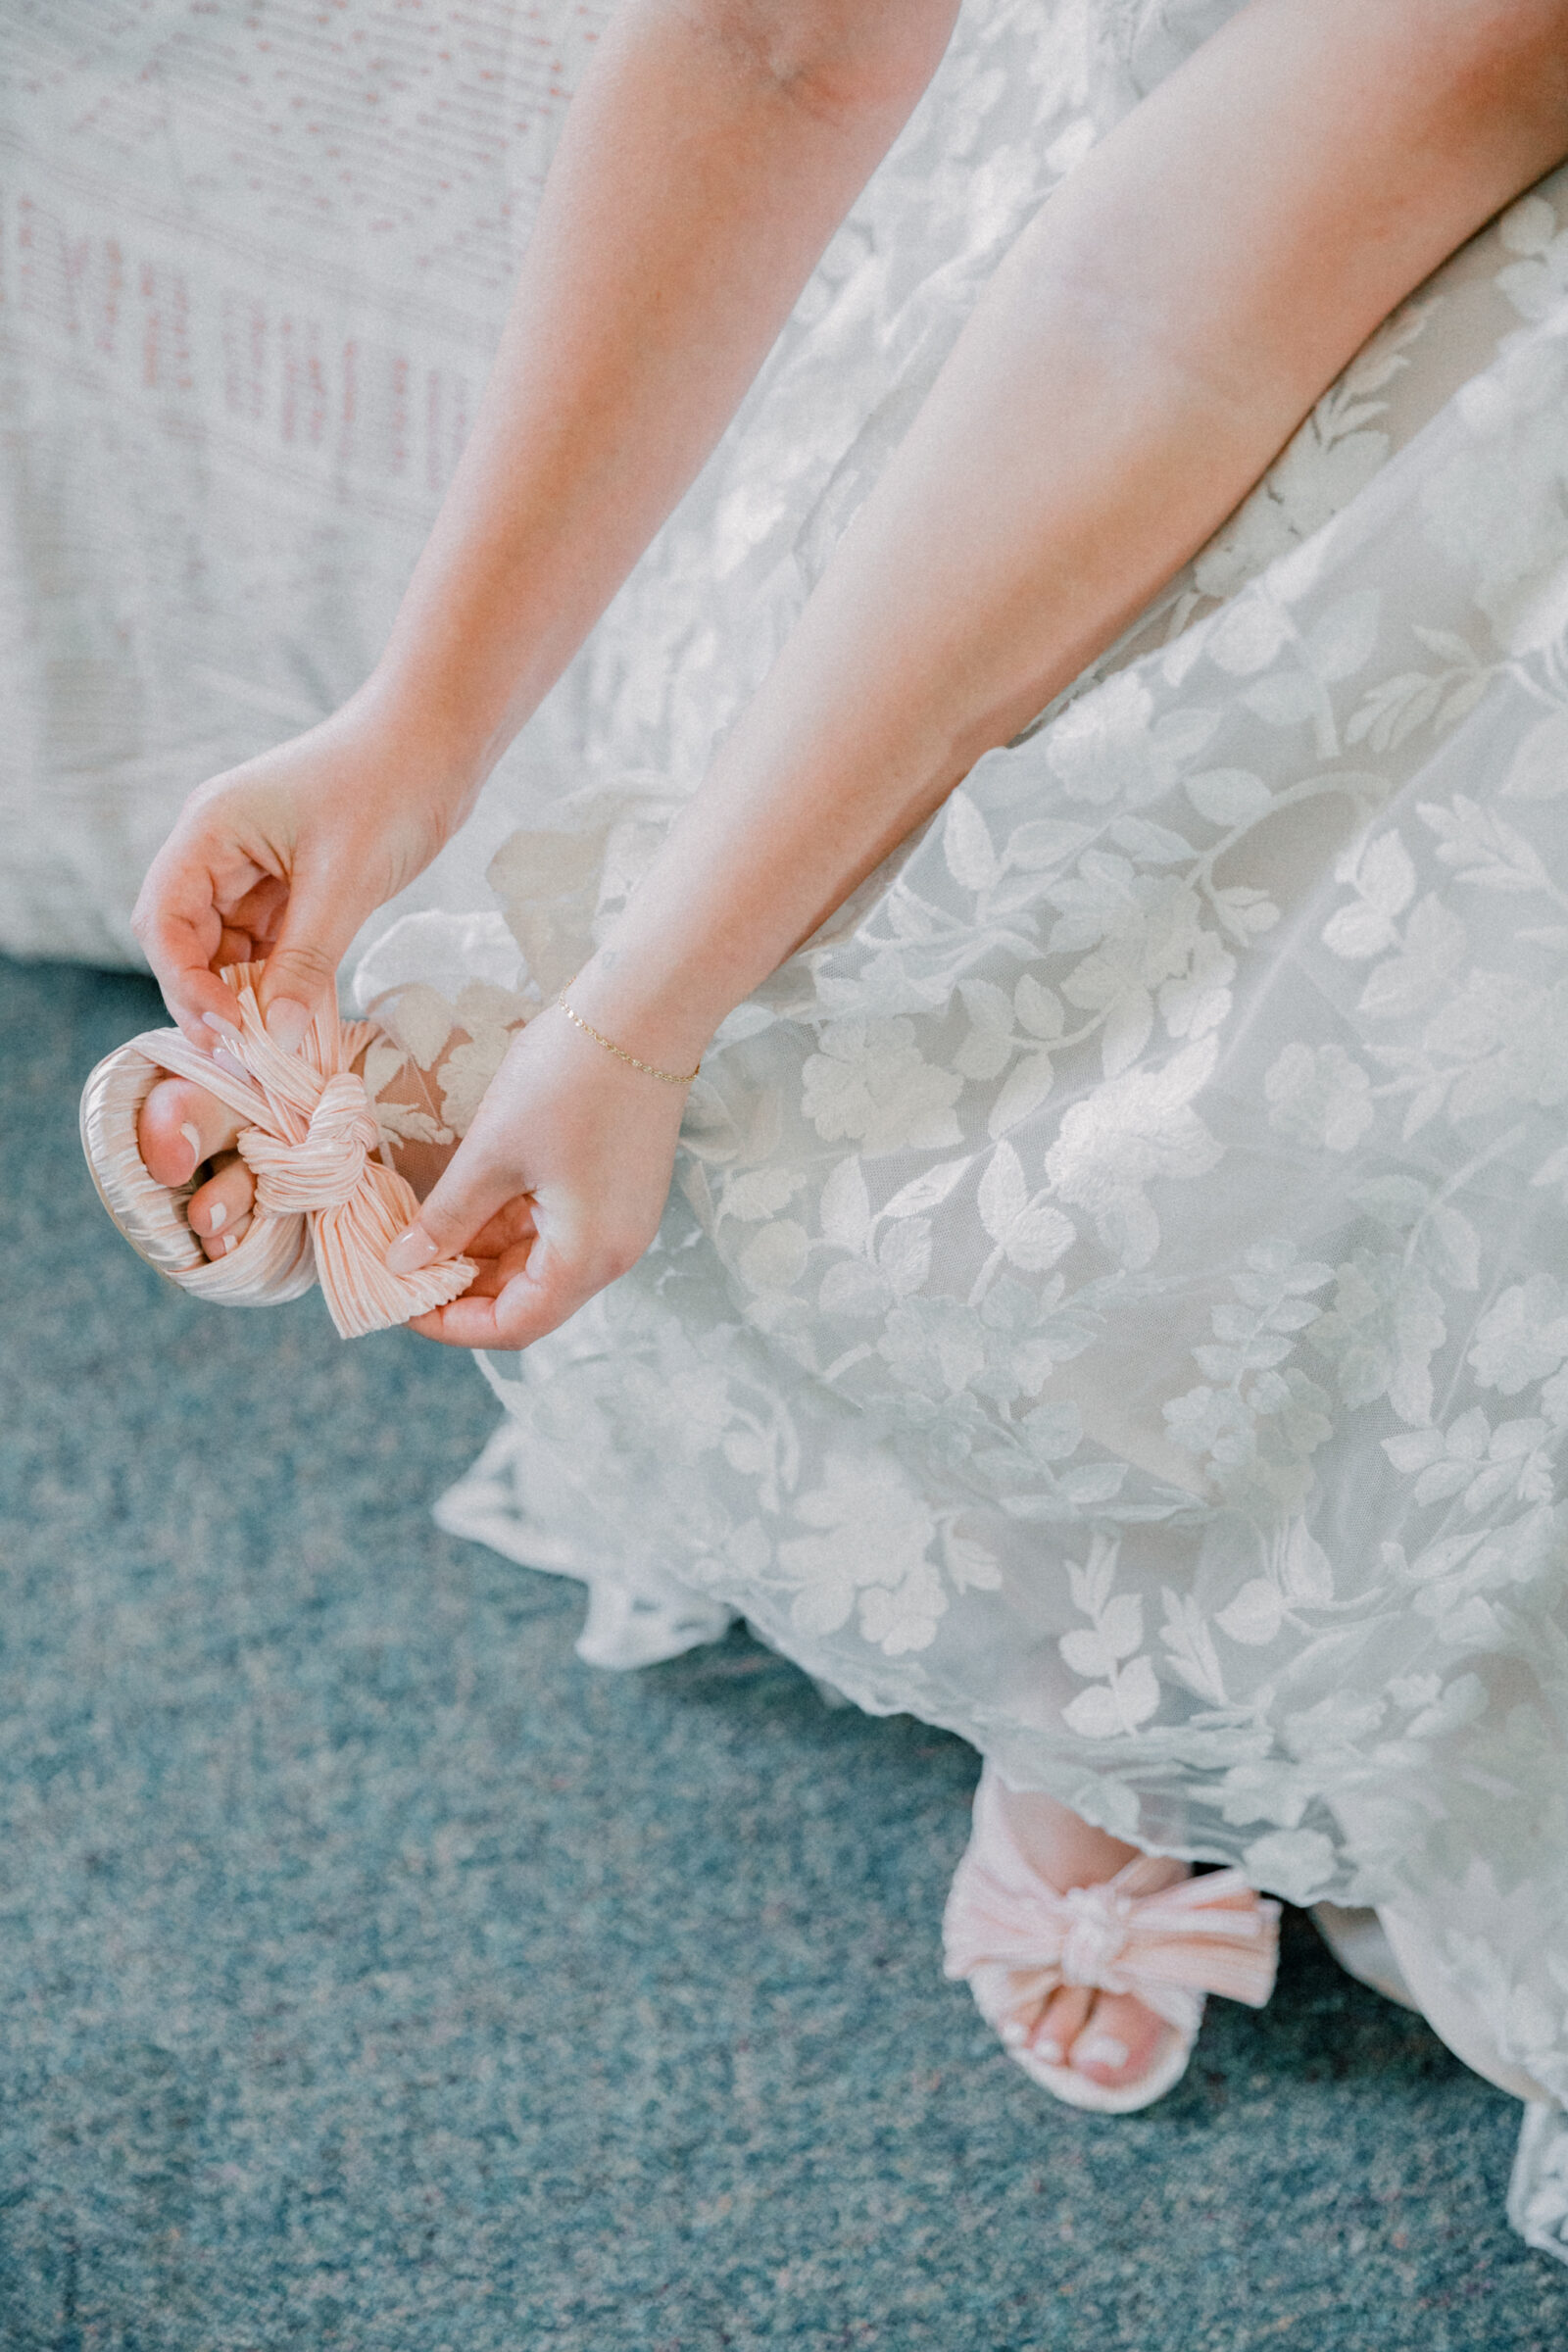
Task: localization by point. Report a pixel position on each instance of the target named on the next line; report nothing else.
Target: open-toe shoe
(327, 1207)
(1153, 1931)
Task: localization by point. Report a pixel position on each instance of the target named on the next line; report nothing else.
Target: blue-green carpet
(375, 1975)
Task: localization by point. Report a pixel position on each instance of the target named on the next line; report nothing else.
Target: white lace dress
(1114, 1297)
(1113, 1300)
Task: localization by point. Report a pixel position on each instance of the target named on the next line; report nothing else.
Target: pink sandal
(1153, 1931)
(326, 1208)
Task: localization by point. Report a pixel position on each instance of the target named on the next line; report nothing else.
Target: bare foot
(1110, 2038)
(183, 1128)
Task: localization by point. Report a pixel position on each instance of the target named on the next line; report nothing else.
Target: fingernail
(225, 1244)
(217, 1218)
(1012, 2034)
(1100, 2050)
(225, 1060)
(193, 1135)
(224, 1029)
(286, 1022)
(1049, 2050)
(412, 1250)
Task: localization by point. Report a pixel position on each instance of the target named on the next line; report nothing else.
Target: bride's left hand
(557, 1188)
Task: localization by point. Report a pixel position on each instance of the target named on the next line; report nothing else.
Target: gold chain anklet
(667, 1077)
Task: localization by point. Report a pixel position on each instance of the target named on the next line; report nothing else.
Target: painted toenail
(1102, 2049)
(193, 1135)
(217, 1218)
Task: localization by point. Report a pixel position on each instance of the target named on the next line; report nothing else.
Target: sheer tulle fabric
(1110, 1303)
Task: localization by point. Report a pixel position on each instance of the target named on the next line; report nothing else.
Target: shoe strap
(1149, 1930)
(311, 1138)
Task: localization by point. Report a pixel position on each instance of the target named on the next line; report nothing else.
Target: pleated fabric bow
(326, 1208)
(1151, 1931)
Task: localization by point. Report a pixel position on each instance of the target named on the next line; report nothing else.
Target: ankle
(1064, 1848)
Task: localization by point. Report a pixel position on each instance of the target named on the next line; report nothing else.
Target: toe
(1118, 2043)
(181, 1126)
(220, 1244)
(1059, 2023)
(220, 1212)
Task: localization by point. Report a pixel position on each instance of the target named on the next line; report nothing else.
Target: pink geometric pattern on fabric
(325, 1207)
(1151, 1931)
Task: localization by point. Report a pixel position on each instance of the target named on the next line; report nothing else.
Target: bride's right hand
(278, 861)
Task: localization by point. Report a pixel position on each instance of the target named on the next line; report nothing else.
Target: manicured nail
(286, 1022)
(225, 1244)
(224, 1029)
(1049, 2050)
(225, 1060)
(1013, 2032)
(217, 1218)
(412, 1252)
(1102, 2049)
(193, 1135)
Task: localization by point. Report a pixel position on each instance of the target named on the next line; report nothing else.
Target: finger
(223, 1203)
(474, 1329)
(180, 1125)
(474, 1189)
(179, 922)
(319, 923)
(534, 1301)
(493, 1276)
(506, 1231)
(261, 912)
(496, 1269)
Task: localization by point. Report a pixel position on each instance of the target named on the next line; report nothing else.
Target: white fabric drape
(1110, 1303)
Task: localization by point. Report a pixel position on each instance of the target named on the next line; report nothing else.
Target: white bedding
(253, 259)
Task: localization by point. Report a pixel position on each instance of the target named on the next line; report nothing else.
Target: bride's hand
(283, 857)
(557, 1188)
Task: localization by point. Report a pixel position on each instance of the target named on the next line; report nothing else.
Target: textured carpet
(372, 1973)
